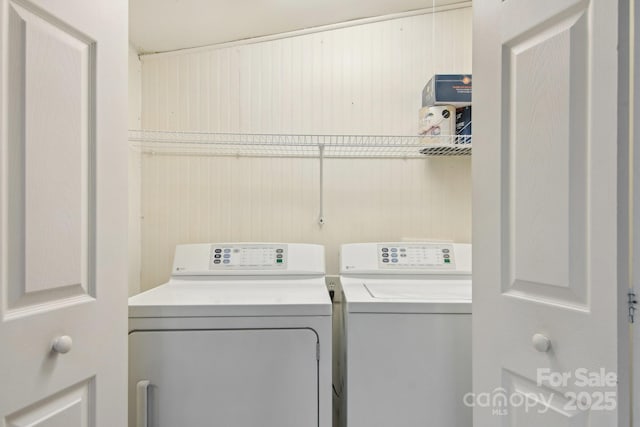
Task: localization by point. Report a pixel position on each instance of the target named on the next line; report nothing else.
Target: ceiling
(165, 25)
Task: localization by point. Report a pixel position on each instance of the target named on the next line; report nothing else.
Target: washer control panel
(248, 257)
(412, 255)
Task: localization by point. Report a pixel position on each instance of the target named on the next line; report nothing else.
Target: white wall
(135, 112)
(361, 79)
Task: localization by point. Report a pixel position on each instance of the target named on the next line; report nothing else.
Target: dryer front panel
(236, 377)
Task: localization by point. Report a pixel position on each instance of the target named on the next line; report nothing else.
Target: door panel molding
(545, 148)
(73, 406)
(540, 402)
(49, 175)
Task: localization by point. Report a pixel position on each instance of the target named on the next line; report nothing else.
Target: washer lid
(431, 291)
(398, 295)
(233, 298)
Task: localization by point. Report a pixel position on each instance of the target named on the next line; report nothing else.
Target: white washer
(240, 336)
(406, 342)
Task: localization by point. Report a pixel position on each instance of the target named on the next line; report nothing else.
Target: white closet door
(63, 214)
(545, 213)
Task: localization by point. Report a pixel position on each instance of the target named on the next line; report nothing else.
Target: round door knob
(541, 343)
(62, 344)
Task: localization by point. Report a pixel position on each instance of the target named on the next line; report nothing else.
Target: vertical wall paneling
(360, 79)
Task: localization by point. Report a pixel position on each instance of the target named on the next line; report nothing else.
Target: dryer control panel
(248, 259)
(248, 256)
(411, 256)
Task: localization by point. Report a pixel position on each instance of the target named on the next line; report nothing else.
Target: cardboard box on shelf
(448, 89)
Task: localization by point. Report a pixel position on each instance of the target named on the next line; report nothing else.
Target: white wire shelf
(284, 145)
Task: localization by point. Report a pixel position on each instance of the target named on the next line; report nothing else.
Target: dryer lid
(240, 298)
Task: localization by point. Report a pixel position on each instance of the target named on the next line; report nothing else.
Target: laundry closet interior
(297, 129)
(358, 81)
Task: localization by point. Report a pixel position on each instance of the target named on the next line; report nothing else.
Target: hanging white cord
(433, 37)
(321, 158)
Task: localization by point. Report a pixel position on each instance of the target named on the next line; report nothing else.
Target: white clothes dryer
(240, 336)
(406, 339)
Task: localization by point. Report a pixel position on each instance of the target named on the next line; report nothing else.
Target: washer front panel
(411, 256)
(248, 257)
